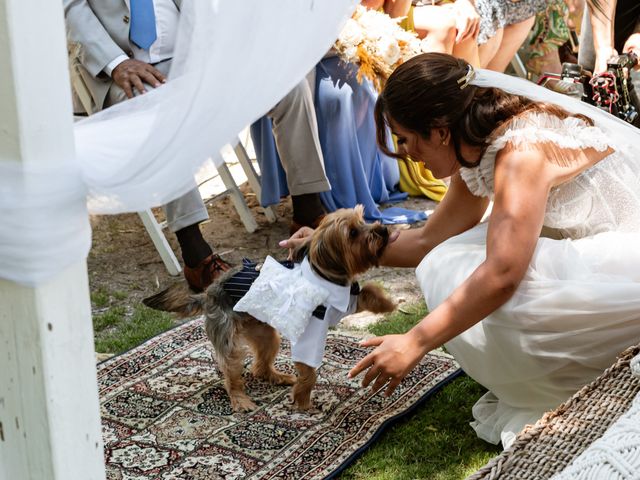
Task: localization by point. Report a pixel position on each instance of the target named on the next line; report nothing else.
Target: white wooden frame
(49, 408)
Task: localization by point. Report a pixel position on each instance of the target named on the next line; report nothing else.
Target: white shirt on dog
(285, 299)
(309, 349)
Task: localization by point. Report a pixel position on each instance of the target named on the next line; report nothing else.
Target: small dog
(342, 247)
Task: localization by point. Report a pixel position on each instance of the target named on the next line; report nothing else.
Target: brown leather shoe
(295, 226)
(200, 277)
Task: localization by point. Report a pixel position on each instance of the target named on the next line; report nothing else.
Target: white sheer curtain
(234, 60)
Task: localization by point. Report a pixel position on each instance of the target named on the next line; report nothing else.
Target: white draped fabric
(234, 59)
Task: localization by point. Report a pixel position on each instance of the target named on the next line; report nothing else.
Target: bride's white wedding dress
(578, 305)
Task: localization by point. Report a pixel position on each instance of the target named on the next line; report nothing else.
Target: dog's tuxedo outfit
(295, 300)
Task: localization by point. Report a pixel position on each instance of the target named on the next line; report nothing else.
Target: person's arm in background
(602, 18)
(397, 8)
(632, 45)
(467, 20)
(98, 50)
(393, 8)
(372, 4)
(100, 54)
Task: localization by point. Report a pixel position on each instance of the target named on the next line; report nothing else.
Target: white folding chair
(518, 66)
(252, 176)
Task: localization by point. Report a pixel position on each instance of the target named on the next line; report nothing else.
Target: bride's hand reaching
(392, 360)
(296, 239)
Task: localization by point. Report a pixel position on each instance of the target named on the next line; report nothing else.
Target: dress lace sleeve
(534, 130)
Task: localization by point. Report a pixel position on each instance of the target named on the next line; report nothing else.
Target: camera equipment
(611, 90)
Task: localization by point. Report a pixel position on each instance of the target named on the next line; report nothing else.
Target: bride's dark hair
(423, 93)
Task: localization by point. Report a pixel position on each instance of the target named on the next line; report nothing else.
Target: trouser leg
(295, 129)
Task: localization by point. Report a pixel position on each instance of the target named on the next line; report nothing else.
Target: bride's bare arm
(522, 183)
(459, 211)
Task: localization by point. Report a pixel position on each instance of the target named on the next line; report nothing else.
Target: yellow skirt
(417, 180)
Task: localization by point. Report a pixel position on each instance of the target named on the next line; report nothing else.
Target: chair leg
(237, 198)
(252, 177)
(518, 66)
(159, 240)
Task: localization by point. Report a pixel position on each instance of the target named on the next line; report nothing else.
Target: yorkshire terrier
(342, 247)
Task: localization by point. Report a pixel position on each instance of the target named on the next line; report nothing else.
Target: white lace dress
(578, 305)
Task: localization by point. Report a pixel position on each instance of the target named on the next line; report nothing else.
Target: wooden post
(49, 410)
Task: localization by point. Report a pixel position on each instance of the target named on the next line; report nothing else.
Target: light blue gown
(356, 168)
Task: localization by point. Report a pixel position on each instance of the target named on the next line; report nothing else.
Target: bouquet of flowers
(376, 43)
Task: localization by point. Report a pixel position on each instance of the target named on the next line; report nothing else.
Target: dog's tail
(177, 298)
(220, 323)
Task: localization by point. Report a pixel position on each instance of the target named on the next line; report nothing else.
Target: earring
(444, 142)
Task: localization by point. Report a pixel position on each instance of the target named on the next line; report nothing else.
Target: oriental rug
(165, 414)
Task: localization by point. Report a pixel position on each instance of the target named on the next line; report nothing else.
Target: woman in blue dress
(358, 171)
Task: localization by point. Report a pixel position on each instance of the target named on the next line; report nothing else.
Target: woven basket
(547, 447)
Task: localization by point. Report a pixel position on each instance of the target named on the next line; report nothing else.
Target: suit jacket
(100, 28)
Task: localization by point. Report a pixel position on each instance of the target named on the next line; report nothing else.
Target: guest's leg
(467, 50)
(512, 39)
(183, 216)
(488, 50)
(295, 129)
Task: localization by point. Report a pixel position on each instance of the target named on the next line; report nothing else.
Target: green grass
(117, 327)
(399, 321)
(100, 298)
(118, 295)
(435, 442)
(116, 332)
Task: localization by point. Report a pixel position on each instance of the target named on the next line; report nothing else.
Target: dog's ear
(301, 251)
(177, 298)
(359, 209)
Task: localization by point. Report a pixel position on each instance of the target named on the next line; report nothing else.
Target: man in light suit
(125, 48)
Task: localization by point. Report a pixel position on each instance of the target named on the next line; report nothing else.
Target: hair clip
(468, 78)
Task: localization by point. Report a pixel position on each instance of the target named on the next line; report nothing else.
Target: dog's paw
(275, 377)
(279, 378)
(302, 406)
(301, 402)
(242, 404)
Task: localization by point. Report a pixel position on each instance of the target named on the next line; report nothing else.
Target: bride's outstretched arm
(459, 211)
(522, 185)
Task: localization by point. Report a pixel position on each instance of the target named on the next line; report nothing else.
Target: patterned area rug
(166, 415)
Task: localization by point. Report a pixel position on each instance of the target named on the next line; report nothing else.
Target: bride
(539, 300)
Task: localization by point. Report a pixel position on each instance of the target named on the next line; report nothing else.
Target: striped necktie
(142, 31)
